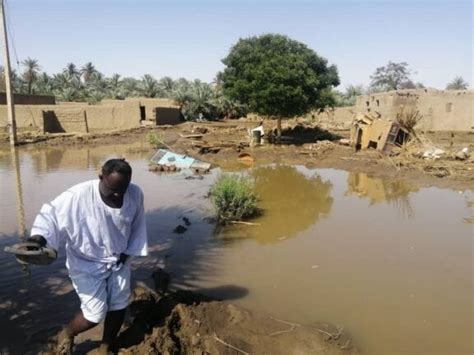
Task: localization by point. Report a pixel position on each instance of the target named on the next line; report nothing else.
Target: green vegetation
(348, 98)
(458, 83)
(393, 76)
(87, 84)
(234, 198)
(277, 76)
(156, 139)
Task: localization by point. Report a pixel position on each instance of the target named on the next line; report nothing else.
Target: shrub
(409, 118)
(234, 198)
(155, 139)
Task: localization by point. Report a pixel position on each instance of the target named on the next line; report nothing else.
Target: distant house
(43, 115)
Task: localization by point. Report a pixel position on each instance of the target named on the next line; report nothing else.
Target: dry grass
(408, 118)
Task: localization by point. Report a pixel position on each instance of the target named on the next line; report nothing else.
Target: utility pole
(8, 84)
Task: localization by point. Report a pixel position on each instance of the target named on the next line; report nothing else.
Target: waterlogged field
(387, 260)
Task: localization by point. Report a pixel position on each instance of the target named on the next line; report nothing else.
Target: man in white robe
(103, 223)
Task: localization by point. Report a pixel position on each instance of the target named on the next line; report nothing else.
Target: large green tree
(277, 76)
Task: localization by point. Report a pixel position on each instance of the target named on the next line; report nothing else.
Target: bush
(409, 118)
(155, 139)
(234, 198)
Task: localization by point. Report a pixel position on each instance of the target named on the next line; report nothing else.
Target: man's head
(115, 178)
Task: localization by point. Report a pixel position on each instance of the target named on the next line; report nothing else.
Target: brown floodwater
(390, 262)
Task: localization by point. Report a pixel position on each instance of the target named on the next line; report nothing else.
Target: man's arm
(49, 224)
(138, 241)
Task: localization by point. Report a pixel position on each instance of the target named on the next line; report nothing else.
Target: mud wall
(81, 117)
(22, 99)
(114, 117)
(441, 110)
(65, 119)
(28, 117)
(150, 104)
(335, 118)
(168, 115)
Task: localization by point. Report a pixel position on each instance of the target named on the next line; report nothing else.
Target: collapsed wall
(450, 110)
(440, 110)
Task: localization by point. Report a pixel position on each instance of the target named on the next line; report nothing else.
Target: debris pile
(370, 131)
(167, 160)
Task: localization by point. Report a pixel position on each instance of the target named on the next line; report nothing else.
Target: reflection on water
(379, 190)
(290, 200)
(470, 205)
(19, 193)
(331, 246)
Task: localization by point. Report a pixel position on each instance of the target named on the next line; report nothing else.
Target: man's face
(114, 185)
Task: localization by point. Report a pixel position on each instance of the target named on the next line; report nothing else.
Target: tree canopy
(277, 76)
(88, 84)
(393, 76)
(458, 83)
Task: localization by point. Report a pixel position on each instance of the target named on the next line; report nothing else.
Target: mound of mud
(187, 323)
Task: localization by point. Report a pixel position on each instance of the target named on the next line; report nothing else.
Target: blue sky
(184, 38)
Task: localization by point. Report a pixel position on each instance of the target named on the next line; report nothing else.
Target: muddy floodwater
(390, 262)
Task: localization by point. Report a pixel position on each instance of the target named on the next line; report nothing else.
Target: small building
(42, 114)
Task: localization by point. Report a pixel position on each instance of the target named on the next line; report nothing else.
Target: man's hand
(122, 259)
(38, 239)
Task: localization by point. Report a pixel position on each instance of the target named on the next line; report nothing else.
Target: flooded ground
(390, 262)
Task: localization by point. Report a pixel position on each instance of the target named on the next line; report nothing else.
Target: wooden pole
(19, 194)
(8, 86)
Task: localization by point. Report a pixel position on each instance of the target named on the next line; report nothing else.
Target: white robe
(95, 233)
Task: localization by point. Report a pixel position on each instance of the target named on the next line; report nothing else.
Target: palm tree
(94, 97)
(72, 70)
(130, 87)
(97, 81)
(149, 86)
(67, 94)
(87, 70)
(181, 96)
(167, 85)
(227, 108)
(31, 72)
(44, 84)
(115, 87)
(201, 100)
